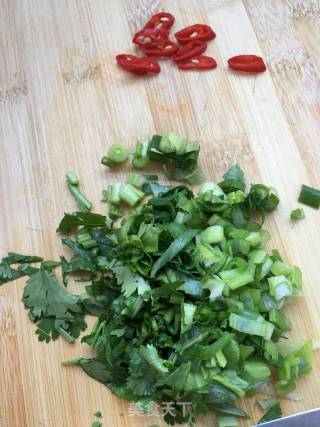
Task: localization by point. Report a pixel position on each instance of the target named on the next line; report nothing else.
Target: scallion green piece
(254, 238)
(131, 195)
(257, 256)
(192, 146)
(212, 187)
(279, 319)
(138, 180)
(171, 143)
(257, 371)
(112, 194)
(116, 154)
(252, 327)
(215, 286)
(207, 255)
(221, 359)
(280, 268)
(279, 287)
(194, 177)
(236, 197)
(84, 238)
(114, 211)
(213, 234)
(236, 278)
(309, 196)
(140, 157)
(297, 214)
(267, 403)
(182, 217)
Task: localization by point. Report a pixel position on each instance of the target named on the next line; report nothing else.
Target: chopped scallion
(309, 196)
(116, 154)
(140, 157)
(138, 180)
(112, 194)
(248, 326)
(131, 195)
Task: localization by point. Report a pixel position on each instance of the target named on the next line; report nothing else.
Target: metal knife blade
(303, 419)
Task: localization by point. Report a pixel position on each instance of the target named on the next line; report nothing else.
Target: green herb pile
(187, 298)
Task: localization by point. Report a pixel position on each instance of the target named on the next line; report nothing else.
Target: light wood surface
(63, 101)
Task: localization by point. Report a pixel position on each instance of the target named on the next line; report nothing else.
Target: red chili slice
(150, 35)
(138, 65)
(198, 63)
(164, 48)
(195, 32)
(247, 63)
(190, 50)
(160, 20)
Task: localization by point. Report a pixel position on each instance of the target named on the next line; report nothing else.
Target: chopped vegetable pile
(188, 299)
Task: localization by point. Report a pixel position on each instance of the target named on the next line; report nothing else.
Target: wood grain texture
(63, 101)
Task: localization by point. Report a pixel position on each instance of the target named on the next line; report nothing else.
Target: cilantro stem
(66, 335)
(96, 335)
(71, 362)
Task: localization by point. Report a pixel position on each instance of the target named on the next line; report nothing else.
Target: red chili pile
(154, 42)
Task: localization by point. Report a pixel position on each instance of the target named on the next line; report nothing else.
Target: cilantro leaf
(235, 173)
(150, 354)
(233, 180)
(130, 282)
(177, 379)
(8, 273)
(47, 300)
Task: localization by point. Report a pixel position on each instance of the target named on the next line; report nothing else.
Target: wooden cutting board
(63, 101)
